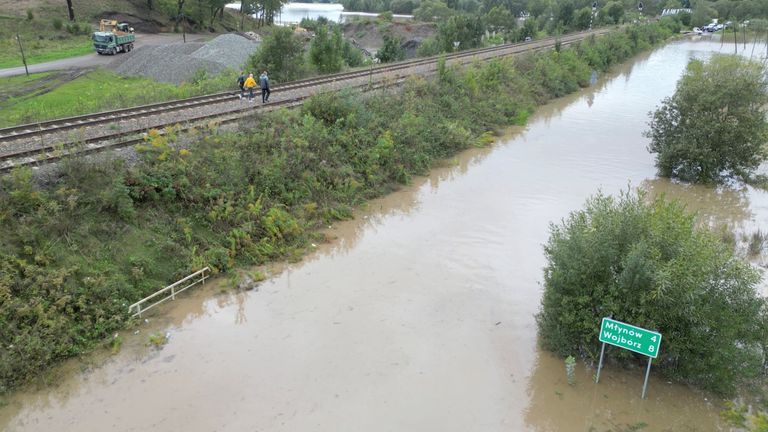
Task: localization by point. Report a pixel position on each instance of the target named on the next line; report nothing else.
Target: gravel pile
(177, 63)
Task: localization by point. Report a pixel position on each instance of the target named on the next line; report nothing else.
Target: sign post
(627, 336)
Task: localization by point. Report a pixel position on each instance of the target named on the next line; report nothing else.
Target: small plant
(158, 339)
(30, 15)
(115, 344)
(756, 242)
(570, 370)
(57, 24)
(727, 236)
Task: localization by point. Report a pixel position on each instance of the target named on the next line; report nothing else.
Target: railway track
(47, 141)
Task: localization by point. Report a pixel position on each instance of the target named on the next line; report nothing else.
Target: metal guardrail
(198, 276)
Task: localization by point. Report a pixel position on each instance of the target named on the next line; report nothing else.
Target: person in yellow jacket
(250, 83)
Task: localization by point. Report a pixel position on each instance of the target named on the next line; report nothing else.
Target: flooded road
(419, 316)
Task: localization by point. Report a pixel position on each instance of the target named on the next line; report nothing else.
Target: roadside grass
(42, 50)
(95, 91)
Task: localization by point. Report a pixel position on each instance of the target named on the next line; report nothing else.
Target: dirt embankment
(370, 34)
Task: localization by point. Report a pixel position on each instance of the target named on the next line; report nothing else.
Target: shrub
(714, 126)
(57, 23)
(647, 264)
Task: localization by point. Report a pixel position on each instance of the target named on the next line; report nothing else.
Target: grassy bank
(99, 90)
(76, 251)
(41, 52)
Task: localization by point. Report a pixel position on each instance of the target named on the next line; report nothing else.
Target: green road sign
(629, 337)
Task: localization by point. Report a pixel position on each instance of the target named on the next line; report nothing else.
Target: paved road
(93, 59)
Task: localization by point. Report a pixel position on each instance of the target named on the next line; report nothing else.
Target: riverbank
(244, 198)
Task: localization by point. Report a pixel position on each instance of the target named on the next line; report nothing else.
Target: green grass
(97, 91)
(58, 46)
(78, 47)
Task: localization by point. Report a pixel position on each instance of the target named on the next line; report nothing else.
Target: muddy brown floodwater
(419, 316)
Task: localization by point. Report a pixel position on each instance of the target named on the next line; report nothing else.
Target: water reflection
(614, 404)
(715, 207)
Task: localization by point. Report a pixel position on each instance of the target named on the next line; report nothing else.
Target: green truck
(113, 38)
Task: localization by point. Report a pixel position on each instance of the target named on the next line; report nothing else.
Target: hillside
(160, 18)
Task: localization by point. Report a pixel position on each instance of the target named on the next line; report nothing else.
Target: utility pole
(23, 57)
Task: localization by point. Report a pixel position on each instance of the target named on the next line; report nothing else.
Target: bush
(713, 127)
(392, 50)
(57, 23)
(647, 264)
(30, 15)
(282, 54)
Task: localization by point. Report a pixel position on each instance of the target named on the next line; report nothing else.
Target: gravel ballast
(179, 62)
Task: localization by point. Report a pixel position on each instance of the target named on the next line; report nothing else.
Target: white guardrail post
(197, 277)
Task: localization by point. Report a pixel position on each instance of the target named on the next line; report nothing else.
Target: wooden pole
(23, 57)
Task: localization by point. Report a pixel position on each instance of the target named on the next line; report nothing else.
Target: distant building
(670, 12)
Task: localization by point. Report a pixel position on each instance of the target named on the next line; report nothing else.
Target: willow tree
(714, 126)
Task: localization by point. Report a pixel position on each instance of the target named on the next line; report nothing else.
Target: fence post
(173, 293)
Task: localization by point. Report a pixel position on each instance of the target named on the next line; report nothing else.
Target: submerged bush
(714, 126)
(647, 264)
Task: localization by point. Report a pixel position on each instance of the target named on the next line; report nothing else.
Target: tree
(614, 11)
(582, 18)
(500, 19)
(70, 10)
(467, 30)
(392, 50)
(702, 14)
(282, 54)
(714, 126)
(646, 263)
(432, 10)
(326, 50)
(216, 8)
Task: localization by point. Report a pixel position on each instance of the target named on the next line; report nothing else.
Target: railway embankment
(79, 248)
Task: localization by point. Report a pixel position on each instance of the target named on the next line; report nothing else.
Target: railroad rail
(46, 141)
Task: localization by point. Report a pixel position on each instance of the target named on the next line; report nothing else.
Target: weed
(157, 339)
(570, 370)
(115, 344)
(756, 242)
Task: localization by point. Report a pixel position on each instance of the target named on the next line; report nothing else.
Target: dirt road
(93, 59)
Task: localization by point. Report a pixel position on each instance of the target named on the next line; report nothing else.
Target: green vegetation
(41, 41)
(391, 51)
(77, 250)
(714, 126)
(282, 54)
(40, 51)
(647, 263)
(326, 52)
(95, 91)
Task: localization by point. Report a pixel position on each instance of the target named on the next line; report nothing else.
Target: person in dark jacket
(241, 84)
(264, 84)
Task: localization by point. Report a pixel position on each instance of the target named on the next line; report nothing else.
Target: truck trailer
(113, 38)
